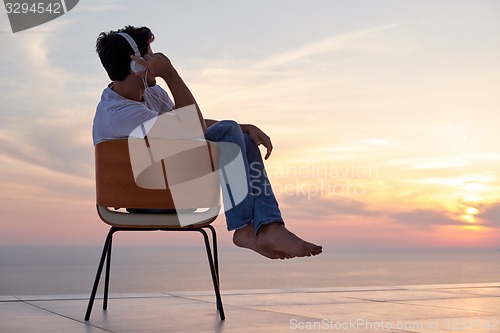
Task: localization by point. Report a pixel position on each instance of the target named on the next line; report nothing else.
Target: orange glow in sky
(384, 119)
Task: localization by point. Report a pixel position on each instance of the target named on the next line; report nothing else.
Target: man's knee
(230, 127)
(229, 123)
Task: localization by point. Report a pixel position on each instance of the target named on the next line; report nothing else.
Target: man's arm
(255, 133)
(159, 65)
(259, 137)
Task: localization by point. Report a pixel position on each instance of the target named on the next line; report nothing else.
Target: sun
(470, 199)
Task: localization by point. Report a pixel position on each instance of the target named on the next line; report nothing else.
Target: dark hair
(114, 50)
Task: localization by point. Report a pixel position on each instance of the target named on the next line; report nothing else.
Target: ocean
(144, 269)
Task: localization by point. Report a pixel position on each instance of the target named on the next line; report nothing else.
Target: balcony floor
(427, 308)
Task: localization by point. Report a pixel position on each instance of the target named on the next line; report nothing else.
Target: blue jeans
(260, 205)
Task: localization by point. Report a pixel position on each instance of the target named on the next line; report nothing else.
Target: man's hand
(259, 137)
(157, 64)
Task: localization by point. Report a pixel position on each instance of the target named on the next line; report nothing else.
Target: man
(134, 98)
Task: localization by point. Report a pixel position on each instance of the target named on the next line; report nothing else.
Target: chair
(116, 187)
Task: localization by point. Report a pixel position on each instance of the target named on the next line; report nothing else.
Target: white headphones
(134, 66)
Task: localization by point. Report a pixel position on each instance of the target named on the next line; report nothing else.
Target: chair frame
(212, 256)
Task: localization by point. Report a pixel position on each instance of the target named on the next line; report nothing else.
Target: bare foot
(245, 237)
(275, 237)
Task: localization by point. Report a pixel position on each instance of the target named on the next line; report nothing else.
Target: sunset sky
(384, 115)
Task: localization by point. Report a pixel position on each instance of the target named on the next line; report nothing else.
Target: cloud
(99, 6)
(491, 215)
(301, 206)
(47, 115)
(249, 80)
(55, 145)
(31, 81)
(423, 218)
(334, 43)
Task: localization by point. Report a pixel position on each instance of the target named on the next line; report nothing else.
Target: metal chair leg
(215, 278)
(106, 256)
(107, 243)
(216, 255)
(216, 259)
(106, 277)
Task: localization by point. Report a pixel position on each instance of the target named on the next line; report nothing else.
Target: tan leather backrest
(117, 186)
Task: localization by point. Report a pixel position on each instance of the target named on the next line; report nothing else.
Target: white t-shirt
(116, 116)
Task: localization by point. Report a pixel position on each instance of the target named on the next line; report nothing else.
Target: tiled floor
(431, 308)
